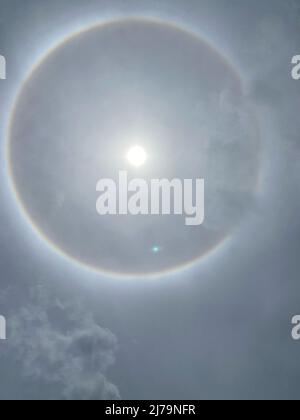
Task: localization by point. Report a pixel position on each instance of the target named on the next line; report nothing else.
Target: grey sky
(221, 329)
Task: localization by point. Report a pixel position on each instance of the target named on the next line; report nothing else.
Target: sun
(137, 156)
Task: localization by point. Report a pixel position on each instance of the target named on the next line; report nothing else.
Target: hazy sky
(220, 329)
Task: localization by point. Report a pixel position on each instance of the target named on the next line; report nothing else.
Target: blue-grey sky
(222, 327)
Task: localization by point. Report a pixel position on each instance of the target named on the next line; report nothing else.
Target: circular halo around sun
(70, 126)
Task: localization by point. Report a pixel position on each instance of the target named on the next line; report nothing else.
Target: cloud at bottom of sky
(60, 346)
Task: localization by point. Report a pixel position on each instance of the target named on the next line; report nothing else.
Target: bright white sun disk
(137, 156)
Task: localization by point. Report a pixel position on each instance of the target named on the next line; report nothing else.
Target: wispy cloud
(60, 345)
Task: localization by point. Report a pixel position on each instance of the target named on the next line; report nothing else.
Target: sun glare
(137, 156)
